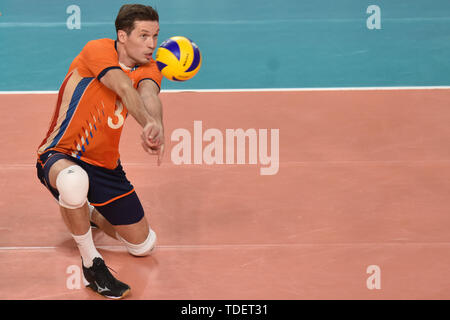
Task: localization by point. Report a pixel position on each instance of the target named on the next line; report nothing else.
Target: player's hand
(153, 140)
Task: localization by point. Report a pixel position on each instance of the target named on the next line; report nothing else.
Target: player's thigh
(56, 168)
(134, 233)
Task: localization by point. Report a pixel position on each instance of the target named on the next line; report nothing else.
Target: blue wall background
(245, 43)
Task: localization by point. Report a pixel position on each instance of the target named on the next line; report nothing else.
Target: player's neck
(124, 60)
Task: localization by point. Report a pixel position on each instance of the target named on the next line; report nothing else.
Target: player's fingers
(152, 137)
(153, 133)
(152, 150)
(150, 143)
(150, 131)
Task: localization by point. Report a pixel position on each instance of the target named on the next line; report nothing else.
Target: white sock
(87, 248)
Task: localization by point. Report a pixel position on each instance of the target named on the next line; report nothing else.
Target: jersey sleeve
(99, 56)
(150, 72)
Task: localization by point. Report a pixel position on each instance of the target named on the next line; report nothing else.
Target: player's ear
(121, 36)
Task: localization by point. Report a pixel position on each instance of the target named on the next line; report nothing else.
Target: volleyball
(178, 58)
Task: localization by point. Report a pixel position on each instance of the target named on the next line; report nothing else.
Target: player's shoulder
(150, 71)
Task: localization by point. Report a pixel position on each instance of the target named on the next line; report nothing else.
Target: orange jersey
(89, 117)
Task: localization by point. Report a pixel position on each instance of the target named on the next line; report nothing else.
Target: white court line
(52, 248)
(399, 242)
(268, 89)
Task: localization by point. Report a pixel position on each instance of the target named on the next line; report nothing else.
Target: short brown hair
(129, 13)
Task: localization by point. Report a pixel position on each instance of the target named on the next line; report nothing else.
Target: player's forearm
(154, 107)
(149, 92)
(136, 107)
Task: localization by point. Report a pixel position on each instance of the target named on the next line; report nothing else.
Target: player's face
(142, 41)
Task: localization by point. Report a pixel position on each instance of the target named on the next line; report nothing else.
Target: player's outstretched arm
(152, 135)
(117, 81)
(149, 91)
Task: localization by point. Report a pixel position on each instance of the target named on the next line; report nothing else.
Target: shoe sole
(116, 298)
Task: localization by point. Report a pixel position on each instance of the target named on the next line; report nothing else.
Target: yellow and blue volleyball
(178, 58)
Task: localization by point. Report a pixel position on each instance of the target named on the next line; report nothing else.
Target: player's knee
(73, 185)
(143, 249)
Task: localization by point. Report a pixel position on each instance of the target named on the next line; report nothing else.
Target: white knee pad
(142, 249)
(73, 185)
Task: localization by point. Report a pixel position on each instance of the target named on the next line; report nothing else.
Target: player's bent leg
(101, 223)
(126, 215)
(138, 238)
(72, 183)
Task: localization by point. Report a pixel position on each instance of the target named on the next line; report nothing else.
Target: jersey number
(118, 114)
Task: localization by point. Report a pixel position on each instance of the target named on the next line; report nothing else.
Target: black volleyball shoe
(99, 279)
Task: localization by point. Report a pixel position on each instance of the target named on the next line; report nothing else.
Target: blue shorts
(110, 192)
